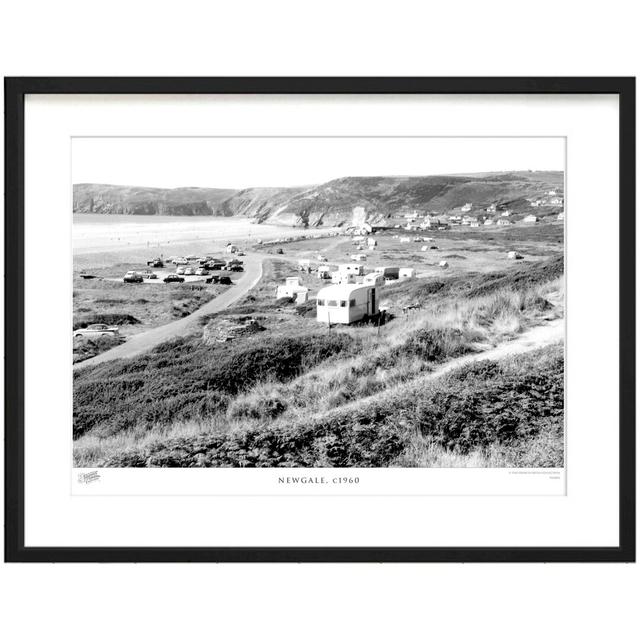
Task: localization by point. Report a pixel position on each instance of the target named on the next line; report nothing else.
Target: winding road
(142, 342)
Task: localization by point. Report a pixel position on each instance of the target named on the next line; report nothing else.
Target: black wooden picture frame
(15, 91)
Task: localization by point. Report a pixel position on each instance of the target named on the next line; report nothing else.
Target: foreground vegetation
(297, 394)
(508, 413)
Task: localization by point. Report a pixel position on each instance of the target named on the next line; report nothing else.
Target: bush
(184, 379)
(104, 318)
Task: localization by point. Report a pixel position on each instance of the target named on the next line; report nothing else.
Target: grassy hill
(332, 202)
(328, 204)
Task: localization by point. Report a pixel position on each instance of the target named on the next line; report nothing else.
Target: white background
(293, 38)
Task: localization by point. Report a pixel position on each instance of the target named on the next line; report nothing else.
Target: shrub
(104, 318)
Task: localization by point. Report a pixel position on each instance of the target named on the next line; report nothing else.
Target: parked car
(96, 330)
(156, 263)
(279, 251)
(132, 276)
(213, 280)
(202, 271)
(173, 277)
(224, 280)
(149, 275)
(204, 260)
(190, 271)
(241, 253)
(235, 267)
(214, 266)
(192, 257)
(180, 271)
(180, 261)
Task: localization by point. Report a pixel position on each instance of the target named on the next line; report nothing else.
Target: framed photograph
(320, 319)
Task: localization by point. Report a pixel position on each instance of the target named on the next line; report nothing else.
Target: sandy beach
(95, 233)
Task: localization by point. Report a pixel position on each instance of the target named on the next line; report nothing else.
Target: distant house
(552, 193)
(536, 203)
(372, 242)
(491, 208)
(488, 222)
(514, 255)
(506, 213)
(292, 289)
(530, 218)
(555, 201)
(503, 222)
(466, 207)
(561, 215)
(405, 239)
(474, 224)
(443, 264)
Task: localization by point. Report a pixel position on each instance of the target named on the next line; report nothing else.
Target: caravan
(346, 303)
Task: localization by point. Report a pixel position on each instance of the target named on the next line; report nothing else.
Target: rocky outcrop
(226, 328)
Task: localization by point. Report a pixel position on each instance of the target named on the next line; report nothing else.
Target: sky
(238, 163)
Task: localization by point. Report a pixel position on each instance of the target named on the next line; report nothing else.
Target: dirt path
(535, 338)
(544, 335)
(142, 342)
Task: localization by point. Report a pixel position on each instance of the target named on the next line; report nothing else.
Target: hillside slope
(125, 200)
(331, 203)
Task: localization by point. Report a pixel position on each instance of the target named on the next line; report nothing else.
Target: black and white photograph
(303, 302)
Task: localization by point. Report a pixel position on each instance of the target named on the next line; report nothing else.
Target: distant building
(561, 215)
(530, 218)
(488, 222)
(491, 208)
(406, 273)
(503, 222)
(466, 207)
(506, 213)
(555, 201)
(552, 193)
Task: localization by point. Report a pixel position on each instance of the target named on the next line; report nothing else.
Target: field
(467, 369)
